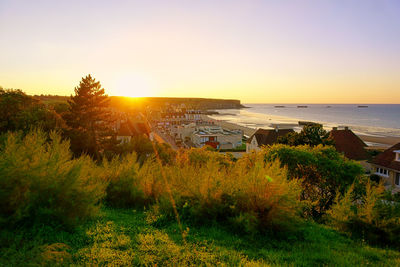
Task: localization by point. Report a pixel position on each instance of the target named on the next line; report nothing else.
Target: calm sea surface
(376, 119)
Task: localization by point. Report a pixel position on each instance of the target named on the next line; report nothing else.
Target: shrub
(129, 184)
(40, 182)
(209, 186)
(322, 169)
(367, 215)
(144, 149)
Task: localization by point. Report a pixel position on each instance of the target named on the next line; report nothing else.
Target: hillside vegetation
(201, 207)
(123, 237)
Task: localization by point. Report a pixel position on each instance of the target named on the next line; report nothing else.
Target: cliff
(195, 103)
(140, 102)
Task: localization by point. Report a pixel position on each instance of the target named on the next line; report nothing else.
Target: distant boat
(362, 106)
(279, 106)
(302, 106)
(328, 106)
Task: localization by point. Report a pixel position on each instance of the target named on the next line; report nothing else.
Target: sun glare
(132, 85)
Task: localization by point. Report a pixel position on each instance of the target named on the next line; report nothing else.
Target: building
(217, 137)
(349, 144)
(387, 166)
(264, 137)
(127, 129)
(183, 132)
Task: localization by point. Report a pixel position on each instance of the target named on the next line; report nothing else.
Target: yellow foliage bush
(367, 215)
(207, 185)
(39, 181)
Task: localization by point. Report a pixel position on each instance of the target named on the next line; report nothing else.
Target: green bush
(368, 215)
(39, 181)
(143, 147)
(205, 186)
(125, 188)
(209, 186)
(322, 169)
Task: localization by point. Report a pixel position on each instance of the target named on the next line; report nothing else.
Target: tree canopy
(89, 119)
(19, 111)
(323, 171)
(311, 134)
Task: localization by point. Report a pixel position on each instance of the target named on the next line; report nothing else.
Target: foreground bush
(368, 215)
(130, 183)
(207, 186)
(39, 181)
(322, 169)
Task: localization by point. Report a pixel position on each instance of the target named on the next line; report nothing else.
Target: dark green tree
(323, 171)
(89, 119)
(19, 111)
(311, 134)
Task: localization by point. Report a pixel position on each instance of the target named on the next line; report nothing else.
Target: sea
(367, 119)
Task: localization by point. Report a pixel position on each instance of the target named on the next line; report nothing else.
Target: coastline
(376, 142)
(229, 125)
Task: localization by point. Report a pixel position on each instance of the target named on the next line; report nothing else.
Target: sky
(258, 51)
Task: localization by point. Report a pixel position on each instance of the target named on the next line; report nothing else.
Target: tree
(89, 119)
(311, 134)
(19, 111)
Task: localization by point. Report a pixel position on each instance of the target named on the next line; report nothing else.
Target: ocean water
(375, 119)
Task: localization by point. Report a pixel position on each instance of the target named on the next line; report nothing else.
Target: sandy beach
(230, 126)
(379, 142)
(385, 140)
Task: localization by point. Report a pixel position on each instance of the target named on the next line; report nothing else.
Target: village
(183, 127)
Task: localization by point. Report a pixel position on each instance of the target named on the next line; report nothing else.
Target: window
(382, 171)
(397, 179)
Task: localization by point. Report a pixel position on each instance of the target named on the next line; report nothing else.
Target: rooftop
(349, 144)
(388, 158)
(268, 136)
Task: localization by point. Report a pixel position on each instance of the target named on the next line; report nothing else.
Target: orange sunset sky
(255, 51)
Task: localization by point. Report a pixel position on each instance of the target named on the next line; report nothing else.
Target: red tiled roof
(387, 158)
(268, 137)
(349, 144)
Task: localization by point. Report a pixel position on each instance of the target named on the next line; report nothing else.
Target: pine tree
(89, 119)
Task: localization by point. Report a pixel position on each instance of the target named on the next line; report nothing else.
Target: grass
(121, 237)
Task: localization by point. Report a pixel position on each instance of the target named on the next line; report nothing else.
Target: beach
(373, 142)
(230, 126)
(386, 141)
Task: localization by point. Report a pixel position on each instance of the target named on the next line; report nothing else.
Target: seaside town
(182, 127)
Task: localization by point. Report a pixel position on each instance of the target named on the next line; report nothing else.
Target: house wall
(253, 145)
(389, 179)
(225, 141)
(186, 131)
(230, 141)
(199, 140)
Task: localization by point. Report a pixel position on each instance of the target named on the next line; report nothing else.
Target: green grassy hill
(121, 237)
